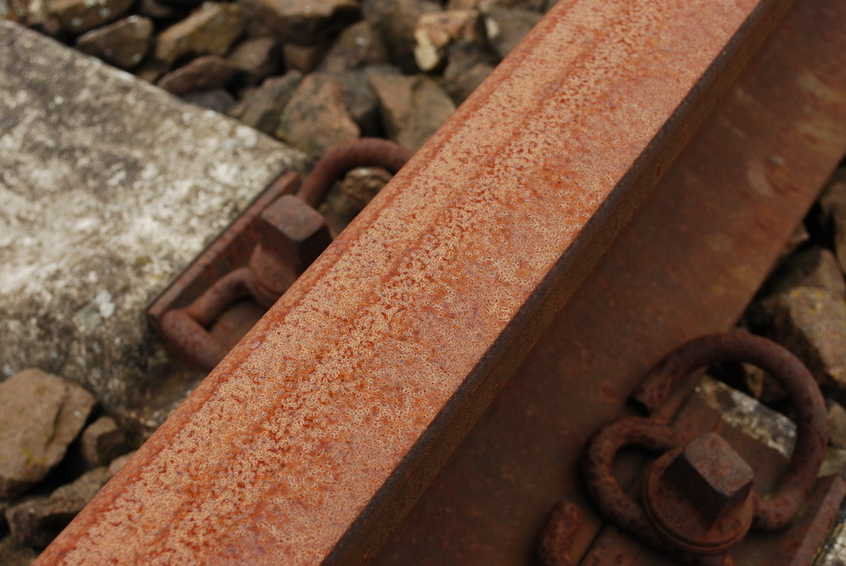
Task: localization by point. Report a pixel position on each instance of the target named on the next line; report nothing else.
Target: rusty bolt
(712, 475)
(291, 236)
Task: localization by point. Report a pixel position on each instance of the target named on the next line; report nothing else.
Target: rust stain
(280, 449)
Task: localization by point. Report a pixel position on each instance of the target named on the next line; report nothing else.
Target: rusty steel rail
(573, 178)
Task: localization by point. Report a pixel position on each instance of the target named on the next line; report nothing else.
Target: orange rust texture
(282, 447)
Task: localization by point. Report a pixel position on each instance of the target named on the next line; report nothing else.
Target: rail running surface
(317, 434)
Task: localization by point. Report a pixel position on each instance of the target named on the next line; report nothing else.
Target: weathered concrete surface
(108, 188)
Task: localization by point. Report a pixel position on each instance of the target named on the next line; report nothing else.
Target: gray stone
(37, 521)
(811, 323)
(304, 58)
(262, 108)
(40, 415)
(836, 425)
(435, 31)
(101, 442)
(211, 30)
(395, 21)
(257, 59)
(299, 21)
(13, 553)
(123, 44)
(203, 73)
(468, 65)
(815, 267)
(506, 27)
(79, 16)
(216, 99)
(357, 46)
(110, 187)
(833, 217)
(316, 119)
(412, 108)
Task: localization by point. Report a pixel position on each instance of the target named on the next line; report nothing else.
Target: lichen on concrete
(109, 187)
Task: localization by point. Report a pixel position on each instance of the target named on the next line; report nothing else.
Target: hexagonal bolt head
(291, 236)
(712, 475)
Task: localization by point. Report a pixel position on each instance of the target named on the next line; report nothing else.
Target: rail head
(314, 436)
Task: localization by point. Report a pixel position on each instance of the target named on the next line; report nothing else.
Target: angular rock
(151, 70)
(211, 30)
(40, 414)
(117, 463)
(123, 44)
(815, 267)
(262, 108)
(437, 30)
(353, 193)
(506, 27)
(468, 65)
(412, 108)
(101, 442)
(395, 21)
(812, 324)
(357, 46)
(78, 16)
(105, 202)
(13, 553)
(316, 119)
(216, 99)
(360, 99)
(202, 73)
(36, 522)
(299, 21)
(836, 425)
(833, 213)
(304, 58)
(257, 59)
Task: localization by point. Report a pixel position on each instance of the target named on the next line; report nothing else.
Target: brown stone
(435, 31)
(357, 189)
(487, 5)
(211, 30)
(304, 58)
(257, 59)
(299, 21)
(36, 522)
(395, 21)
(360, 99)
(316, 118)
(40, 414)
(412, 108)
(123, 44)
(836, 425)
(468, 65)
(13, 553)
(156, 10)
(202, 73)
(506, 27)
(811, 323)
(101, 442)
(815, 267)
(117, 463)
(262, 108)
(357, 46)
(833, 213)
(79, 16)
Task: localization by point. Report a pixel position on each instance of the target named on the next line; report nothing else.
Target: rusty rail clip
(697, 497)
(291, 234)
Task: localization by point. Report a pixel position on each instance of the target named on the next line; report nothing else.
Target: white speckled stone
(109, 187)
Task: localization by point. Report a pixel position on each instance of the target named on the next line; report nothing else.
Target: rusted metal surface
(317, 433)
(281, 237)
(733, 198)
(557, 535)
